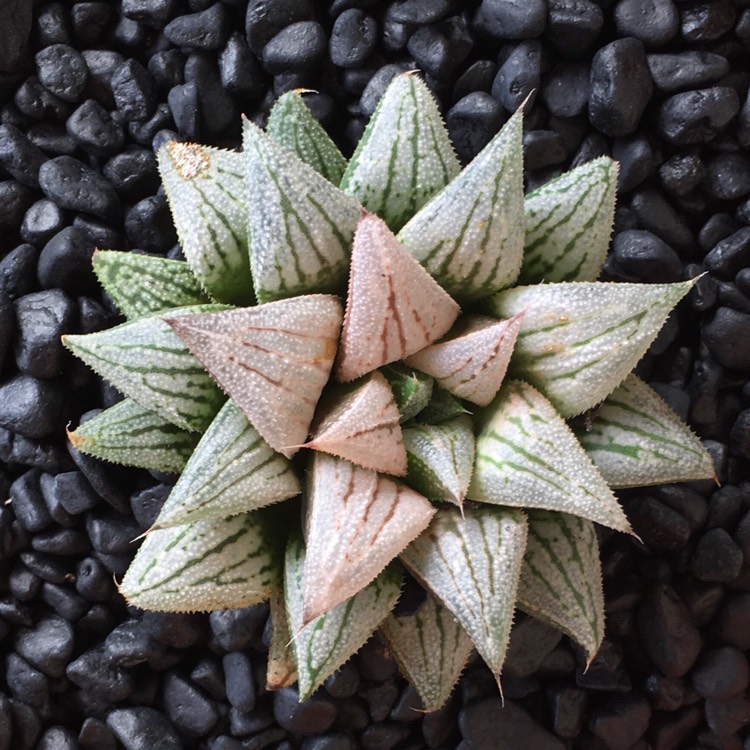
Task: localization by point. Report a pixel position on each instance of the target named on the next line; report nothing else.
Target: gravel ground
(90, 89)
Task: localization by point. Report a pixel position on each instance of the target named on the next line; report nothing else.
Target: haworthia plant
(356, 383)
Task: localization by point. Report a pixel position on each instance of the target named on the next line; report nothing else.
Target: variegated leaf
(528, 457)
(636, 440)
(471, 363)
(146, 361)
(292, 125)
(207, 565)
(322, 646)
(441, 459)
(394, 307)
(208, 197)
(569, 224)
(128, 434)
(233, 470)
(579, 340)
(472, 564)
(561, 578)
(361, 424)
(145, 284)
(301, 226)
(441, 407)
(431, 649)
(470, 237)
(356, 522)
(273, 360)
(411, 389)
(281, 669)
(405, 155)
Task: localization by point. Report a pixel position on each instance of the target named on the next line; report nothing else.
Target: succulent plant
(401, 343)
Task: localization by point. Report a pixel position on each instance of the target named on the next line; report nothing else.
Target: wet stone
(621, 721)
(93, 672)
(543, 148)
(656, 214)
(188, 710)
(112, 533)
(519, 76)
(639, 255)
(62, 71)
(353, 38)
(19, 157)
(697, 116)
(511, 19)
(65, 262)
(565, 90)
(686, 70)
(150, 12)
(18, 272)
(26, 683)
(681, 173)
(93, 581)
(63, 600)
(102, 65)
(71, 490)
(167, 67)
(315, 716)
(141, 727)
(15, 199)
(174, 629)
(51, 25)
(23, 584)
(89, 21)
(134, 91)
(573, 26)
(238, 629)
(148, 225)
(60, 542)
(653, 22)
(728, 177)
(472, 122)
(133, 173)
(31, 407)
(206, 30)
(42, 221)
(266, 18)
(717, 557)
(238, 681)
(47, 646)
(296, 48)
(707, 21)
(725, 335)
(636, 158)
(146, 505)
(208, 675)
(37, 102)
(418, 12)
(730, 255)
(219, 114)
(241, 74)
(28, 502)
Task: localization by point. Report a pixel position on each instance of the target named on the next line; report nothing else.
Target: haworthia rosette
(323, 645)
(281, 669)
(207, 195)
(404, 156)
(431, 649)
(569, 224)
(233, 470)
(147, 362)
(128, 434)
(469, 236)
(145, 284)
(636, 440)
(472, 565)
(411, 389)
(579, 340)
(301, 225)
(441, 407)
(561, 578)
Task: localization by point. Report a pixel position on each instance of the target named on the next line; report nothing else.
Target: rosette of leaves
(365, 370)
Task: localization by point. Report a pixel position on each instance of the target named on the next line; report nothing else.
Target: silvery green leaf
(207, 565)
(636, 440)
(128, 434)
(281, 669)
(323, 645)
(411, 389)
(528, 457)
(233, 470)
(470, 236)
(208, 197)
(472, 565)
(579, 340)
(441, 407)
(145, 284)
(404, 156)
(569, 224)
(561, 578)
(145, 360)
(292, 125)
(301, 226)
(431, 649)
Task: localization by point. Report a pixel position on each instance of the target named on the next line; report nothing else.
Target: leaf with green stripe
(301, 226)
(233, 470)
(579, 340)
(441, 459)
(292, 125)
(637, 440)
(561, 578)
(441, 407)
(528, 457)
(208, 197)
(323, 645)
(404, 156)
(411, 389)
(145, 360)
(128, 434)
(472, 565)
(281, 669)
(145, 284)
(569, 224)
(223, 563)
(431, 650)
(469, 236)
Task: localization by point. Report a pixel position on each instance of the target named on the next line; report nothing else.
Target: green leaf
(431, 649)
(323, 645)
(569, 224)
(404, 156)
(579, 340)
(233, 470)
(472, 566)
(636, 440)
(561, 578)
(281, 669)
(208, 197)
(292, 125)
(146, 361)
(470, 236)
(203, 566)
(301, 226)
(411, 389)
(441, 407)
(144, 284)
(128, 434)
(528, 457)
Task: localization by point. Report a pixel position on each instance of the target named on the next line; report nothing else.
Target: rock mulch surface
(90, 89)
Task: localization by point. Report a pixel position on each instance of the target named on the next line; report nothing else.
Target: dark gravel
(88, 90)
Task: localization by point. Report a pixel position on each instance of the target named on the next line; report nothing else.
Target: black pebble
(167, 68)
(134, 91)
(150, 12)
(658, 525)
(48, 645)
(64, 600)
(19, 157)
(15, 200)
(717, 228)
(51, 25)
(511, 20)
(240, 71)
(94, 672)
(740, 435)
(440, 48)
(58, 737)
(656, 214)
(266, 18)
(238, 680)
(37, 102)
(565, 90)
(543, 148)
(178, 630)
(686, 70)
(519, 76)
(18, 272)
(728, 177)
(52, 138)
(353, 38)
(65, 262)
(472, 122)
(717, 557)
(721, 673)
(61, 542)
(703, 21)
(697, 116)
(377, 85)
(133, 173)
(62, 71)
(344, 682)
(726, 336)
(296, 48)
(219, 115)
(102, 65)
(112, 533)
(682, 173)
(730, 255)
(42, 221)
(149, 226)
(573, 26)
(315, 716)
(477, 77)
(419, 11)
(206, 30)
(237, 629)
(7, 324)
(26, 683)
(208, 675)
(28, 502)
(141, 727)
(89, 21)
(636, 158)
(185, 108)
(187, 708)
(654, 22)
(93, 581)
(31, 407)
(726, 717)
(145, 132)
(622, 720)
